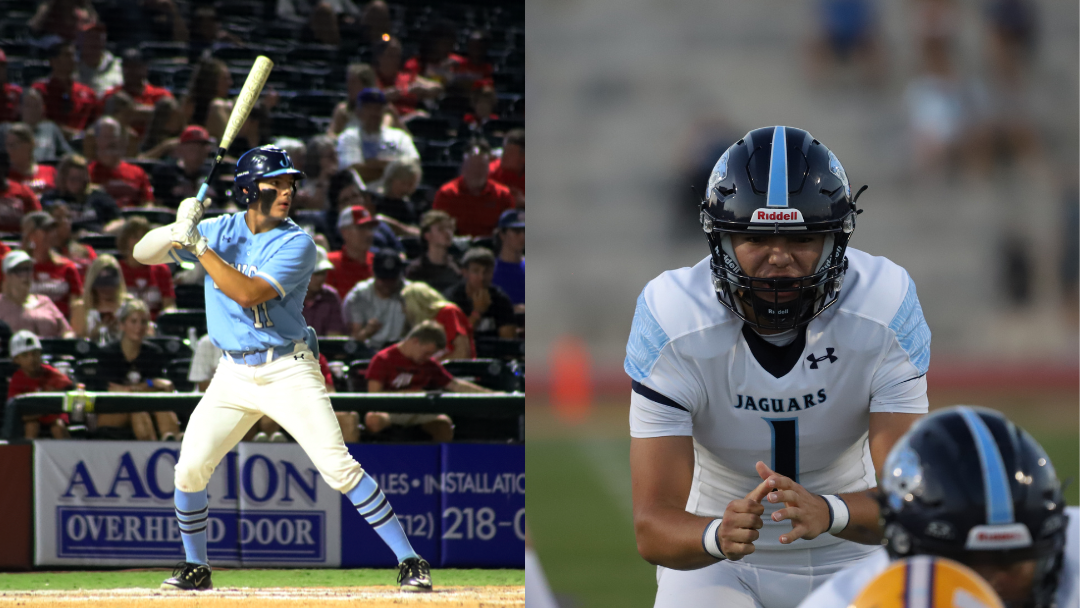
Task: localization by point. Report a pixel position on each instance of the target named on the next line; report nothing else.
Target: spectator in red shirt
(409, 366)
(9, 93)
(144, 94)
(476, 64)
(423, 303)
(126, 183)
(91, 207)
(352, 263)
(404, 90)
(68, 103)
(475, 201)
(437, 59)
(16, 200)
(509, 169)
(19, 140)
(483, 100)
(32, 377)
(55, 276)
(151, 284)
(66, 245)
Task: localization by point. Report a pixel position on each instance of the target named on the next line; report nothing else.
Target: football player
(770, 381)
(967, 484)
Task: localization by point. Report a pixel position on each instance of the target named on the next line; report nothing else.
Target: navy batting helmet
(967, 484)
(259, 163)
(778, 180)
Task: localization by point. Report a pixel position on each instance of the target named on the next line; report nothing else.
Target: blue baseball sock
(192, 512)
(373, 506)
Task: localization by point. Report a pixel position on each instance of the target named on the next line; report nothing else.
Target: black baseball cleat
(187, 576)
(414, 574)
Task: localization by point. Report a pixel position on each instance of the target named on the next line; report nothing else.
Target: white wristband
(839, 515)
(709, 540)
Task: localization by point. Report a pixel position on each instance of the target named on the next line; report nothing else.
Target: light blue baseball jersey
(284, 257)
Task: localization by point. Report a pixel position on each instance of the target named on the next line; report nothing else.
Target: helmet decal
(778, 170)
(999, 502)
(719, 172)
(903, 474)
(838, 170)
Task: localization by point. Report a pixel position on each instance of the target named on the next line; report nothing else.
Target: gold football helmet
(924, 581)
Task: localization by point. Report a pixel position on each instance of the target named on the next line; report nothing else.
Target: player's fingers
(796, 533)
(746, 505)
(792, 513)
(176, 245)
(763, 470)
(737, 549)
(788, 497)
(759, 492)
(741, 520)
(741, 535)
(777, 481)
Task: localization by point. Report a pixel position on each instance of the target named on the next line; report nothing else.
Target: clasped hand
(808, 514)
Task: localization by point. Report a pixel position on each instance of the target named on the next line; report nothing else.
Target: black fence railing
(491, 416)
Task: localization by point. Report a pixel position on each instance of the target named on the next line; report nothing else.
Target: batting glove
(187, 235)
(189, 211)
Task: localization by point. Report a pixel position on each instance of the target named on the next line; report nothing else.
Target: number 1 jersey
(803, 409)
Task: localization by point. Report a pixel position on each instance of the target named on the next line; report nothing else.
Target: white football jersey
(845, 585)
(803, 409)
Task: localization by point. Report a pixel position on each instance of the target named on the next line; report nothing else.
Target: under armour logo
(815, 360)
(298, 357)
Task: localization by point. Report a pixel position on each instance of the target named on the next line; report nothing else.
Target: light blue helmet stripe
(778, 188)
(999, 504)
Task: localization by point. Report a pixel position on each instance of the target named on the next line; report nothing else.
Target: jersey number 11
(785, 446)
(262, 320)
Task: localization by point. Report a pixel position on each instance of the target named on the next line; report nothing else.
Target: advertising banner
(110, 503)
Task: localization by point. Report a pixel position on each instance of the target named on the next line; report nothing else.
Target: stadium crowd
(408, 121)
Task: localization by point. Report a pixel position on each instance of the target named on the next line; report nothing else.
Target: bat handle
(201, 196)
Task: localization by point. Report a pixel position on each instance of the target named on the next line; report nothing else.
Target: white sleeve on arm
(899, 383)
(156, 247)
(665, 389)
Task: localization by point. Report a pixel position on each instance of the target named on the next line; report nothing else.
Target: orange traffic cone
(571, 379)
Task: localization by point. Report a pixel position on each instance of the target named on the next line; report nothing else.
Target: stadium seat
(99, 241)
(432, 128)
(356, 381)
(79, 348)
(293, 125)
(172, 345)
(86, 372)
(500, 348)
(437, 174)
(494, 374)
(322, 54)
(496, 129)
(190, 296)
(154, 50)
(177, 373)
(179, 322)
(342, 348)
(315, 103)
(154, 215)
(31, 71)
(7, 369)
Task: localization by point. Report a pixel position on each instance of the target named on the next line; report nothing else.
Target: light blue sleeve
(290, 267)
(911, 329)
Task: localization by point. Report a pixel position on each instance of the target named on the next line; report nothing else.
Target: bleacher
(309, 82)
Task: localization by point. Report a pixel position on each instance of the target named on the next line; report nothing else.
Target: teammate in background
(756, 355)
(33, 376)
(967, 484)
(408, 366)
(258, 265)
(927, 581)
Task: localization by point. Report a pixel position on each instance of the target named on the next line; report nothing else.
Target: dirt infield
(370, 597)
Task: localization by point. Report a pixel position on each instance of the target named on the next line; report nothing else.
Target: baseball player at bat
(258, 266)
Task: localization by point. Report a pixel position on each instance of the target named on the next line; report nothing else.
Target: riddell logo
(776, 215)
(1008, 536)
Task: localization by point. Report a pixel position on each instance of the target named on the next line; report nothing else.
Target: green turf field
(252, 578)
(580, 510)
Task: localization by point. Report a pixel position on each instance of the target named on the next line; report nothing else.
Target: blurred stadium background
(128, 98)
(961, 115)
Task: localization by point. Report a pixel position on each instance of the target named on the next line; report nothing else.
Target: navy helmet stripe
(778, 170)
(999, 503)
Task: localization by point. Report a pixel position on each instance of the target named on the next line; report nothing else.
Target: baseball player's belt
(258, 357)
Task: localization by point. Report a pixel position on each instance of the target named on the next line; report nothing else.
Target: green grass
(582, 533)
(252, 578)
